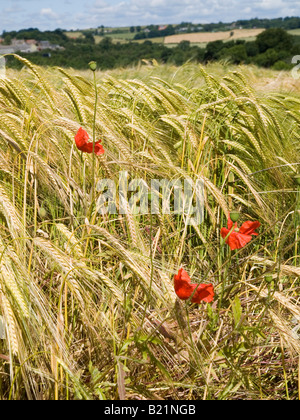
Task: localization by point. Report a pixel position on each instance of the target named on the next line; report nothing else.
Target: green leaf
(237, 311)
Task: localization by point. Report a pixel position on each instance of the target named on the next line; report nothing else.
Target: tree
(251, 49)
(275, 38)
(267, 59)
(106, 44)
(166, 54)
(281, 65)
(213, 49)
(184, 45)
(140, 35)
(89, 38)
(7, 40)
(132, 29)
(236, 54)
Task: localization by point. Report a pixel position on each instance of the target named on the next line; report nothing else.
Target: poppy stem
(94, 138)
(297, 224)
(237, 262)
(151, 276)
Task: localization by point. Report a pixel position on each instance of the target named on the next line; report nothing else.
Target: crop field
(74, 34)
(122, 37)
(204, 37)
(101, 300)
(294, 32)
(158, 40)
(115, 39)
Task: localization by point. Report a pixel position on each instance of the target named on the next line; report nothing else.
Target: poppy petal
(182, 276)
(249, 227)
(229, 223)
(224, 232)
(242, 240)
(184, 291)
(99, 150)
(81, 138)
(233, 241)
(184, 288)
(83, 144)
(85, 148)
(182, 285)
(204, 292)
(237, 240)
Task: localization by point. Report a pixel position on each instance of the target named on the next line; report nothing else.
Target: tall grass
(87, 304)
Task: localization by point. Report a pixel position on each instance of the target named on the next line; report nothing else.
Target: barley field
(205, 37)
(88, 308)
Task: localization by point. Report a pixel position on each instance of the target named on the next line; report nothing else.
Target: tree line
(272, 48)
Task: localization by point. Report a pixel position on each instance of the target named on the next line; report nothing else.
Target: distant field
(203, 37)
(76, 34)
(119, 37)
(115, 40)
(127, 36)
(200, 39)
(294, 31)
(158, 40)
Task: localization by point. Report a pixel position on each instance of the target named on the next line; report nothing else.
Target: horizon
(79, 15)
(128, 26)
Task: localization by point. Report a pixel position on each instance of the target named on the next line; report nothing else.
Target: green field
(158, 40)
(75, 34)
(294, 31)
(88, 309)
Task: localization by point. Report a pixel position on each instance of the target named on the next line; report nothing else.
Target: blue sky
(73, 14)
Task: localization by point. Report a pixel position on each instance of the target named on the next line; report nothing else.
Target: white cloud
(100, 3)
(48, 13)
(139, 12)
(270, 4)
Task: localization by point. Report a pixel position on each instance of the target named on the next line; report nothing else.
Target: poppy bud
(297, 179)
(234, 216)
(93, 65)
(42, 213)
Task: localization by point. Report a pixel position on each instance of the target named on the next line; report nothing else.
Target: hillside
(159, 32)
(272, 48)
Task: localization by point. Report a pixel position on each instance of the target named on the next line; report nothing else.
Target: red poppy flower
(83, 144)
(238, 238)
(184, 288)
